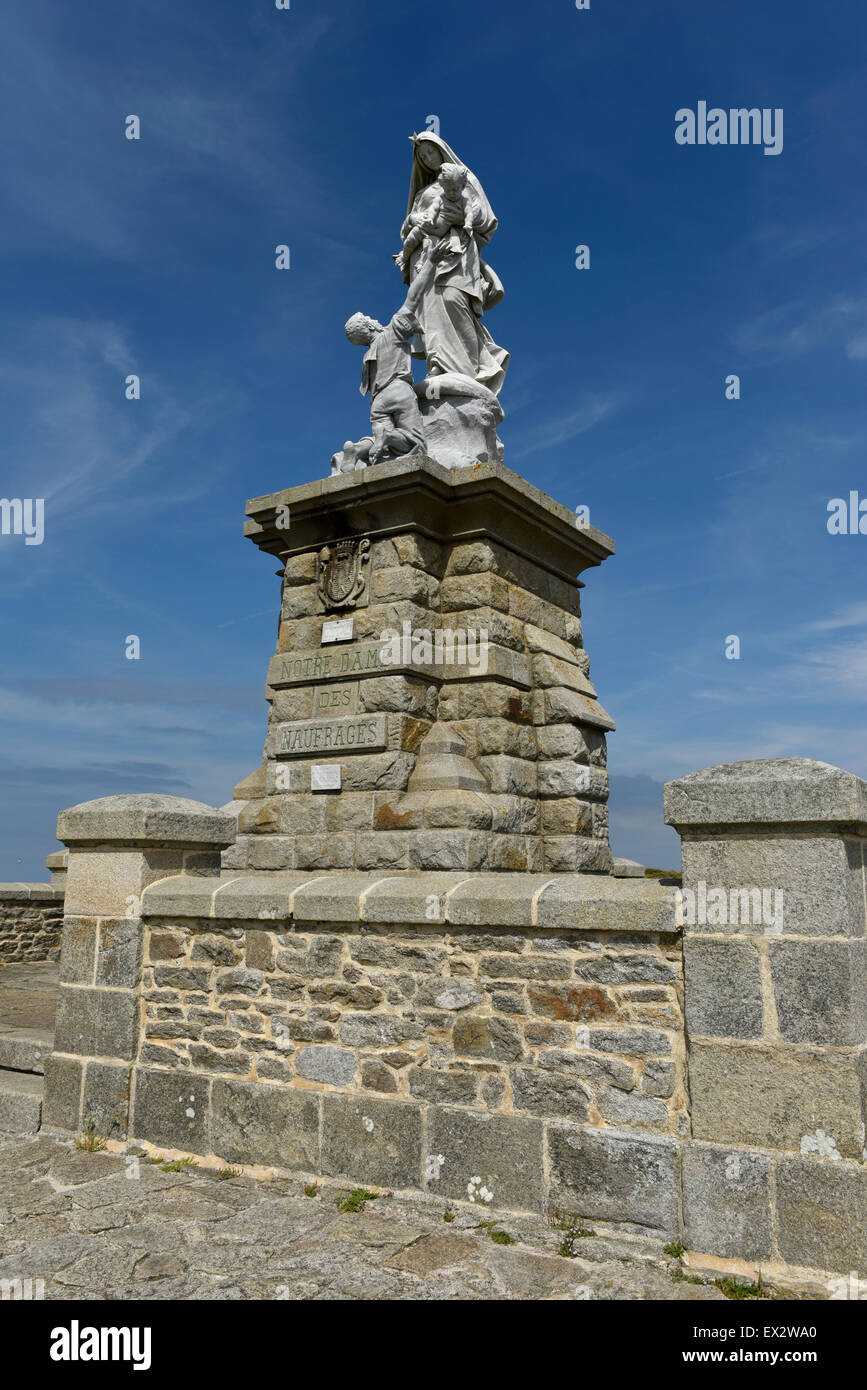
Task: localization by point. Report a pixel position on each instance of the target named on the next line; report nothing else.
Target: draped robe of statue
(453, 337)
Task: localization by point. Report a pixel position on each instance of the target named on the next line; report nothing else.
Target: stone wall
(31, 918)
(522, 1049)
(469, 1061)
(524, 1041)
(559, 1024)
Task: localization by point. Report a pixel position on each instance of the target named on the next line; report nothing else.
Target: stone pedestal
(56, 864)
(427, 611)
(775, 980)
(118, 845)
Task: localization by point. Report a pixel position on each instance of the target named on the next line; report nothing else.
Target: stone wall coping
(576, 902)
(768, 791)
(30, 892)
(146, 819)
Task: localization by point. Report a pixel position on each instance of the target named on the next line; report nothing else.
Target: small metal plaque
(325, 777)
(339, 630)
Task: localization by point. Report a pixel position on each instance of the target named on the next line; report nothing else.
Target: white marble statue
(452, 415)
(453, 337)
(386, 373)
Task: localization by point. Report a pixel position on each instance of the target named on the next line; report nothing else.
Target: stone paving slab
(24, 1049)
(28, 995)
(107, 1226)
(20, 1101)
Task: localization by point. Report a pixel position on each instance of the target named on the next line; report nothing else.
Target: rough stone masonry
(31, 917)
(445, 764)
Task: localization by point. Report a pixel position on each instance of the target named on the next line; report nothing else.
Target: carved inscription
(315, 736)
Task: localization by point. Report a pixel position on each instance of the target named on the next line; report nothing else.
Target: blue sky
(262, 126)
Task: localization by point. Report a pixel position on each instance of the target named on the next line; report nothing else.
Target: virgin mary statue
(453, 337)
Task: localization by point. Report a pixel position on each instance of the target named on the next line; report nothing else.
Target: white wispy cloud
(590, 412)
(798, 327)
(843, 666)
(73, 439)
(852, 615)
(72, 179)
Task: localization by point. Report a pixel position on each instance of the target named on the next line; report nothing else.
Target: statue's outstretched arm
(424, 275)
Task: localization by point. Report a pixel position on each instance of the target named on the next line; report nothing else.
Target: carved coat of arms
(341, 579)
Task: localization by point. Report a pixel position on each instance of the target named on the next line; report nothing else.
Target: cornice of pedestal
(483, 502)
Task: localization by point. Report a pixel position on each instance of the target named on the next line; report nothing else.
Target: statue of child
(447, 208)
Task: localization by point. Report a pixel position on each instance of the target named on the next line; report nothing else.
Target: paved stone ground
(77, 1221)
(28, 995)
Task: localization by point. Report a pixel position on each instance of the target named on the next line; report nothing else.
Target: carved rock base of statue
(460, 419)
